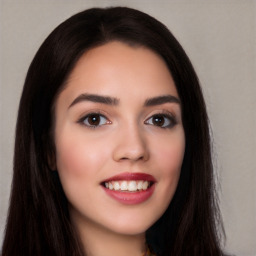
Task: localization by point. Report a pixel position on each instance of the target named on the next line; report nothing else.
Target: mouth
(130, 188)
(128, 185)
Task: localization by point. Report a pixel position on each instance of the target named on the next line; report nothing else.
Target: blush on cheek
(75, 158)
(72, 174)
(172, 157)
(68, 159)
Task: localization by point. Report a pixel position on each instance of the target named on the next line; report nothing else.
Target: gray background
(220, 38)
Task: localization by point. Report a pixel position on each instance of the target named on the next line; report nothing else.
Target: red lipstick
(125, 196)
(131, 176)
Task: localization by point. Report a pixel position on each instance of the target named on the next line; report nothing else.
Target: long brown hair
(38, 221)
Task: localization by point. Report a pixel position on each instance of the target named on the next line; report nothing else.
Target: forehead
(115, 68)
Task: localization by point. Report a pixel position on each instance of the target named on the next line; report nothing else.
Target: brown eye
(158, 120)
(161, 120)
(94, 120)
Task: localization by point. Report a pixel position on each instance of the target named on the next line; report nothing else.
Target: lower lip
(130, 197)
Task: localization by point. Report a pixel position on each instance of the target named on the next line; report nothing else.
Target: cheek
(77, 158)
(169, 155)
(79, 166)
(171, 159)
(70, 157)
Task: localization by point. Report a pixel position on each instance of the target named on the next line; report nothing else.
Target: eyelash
(167, 117)
(95, 114)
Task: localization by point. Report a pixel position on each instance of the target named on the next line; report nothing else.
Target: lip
(131, 176)
(131, 198)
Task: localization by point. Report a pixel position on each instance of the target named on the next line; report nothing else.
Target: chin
(131, 230)
(134, 225)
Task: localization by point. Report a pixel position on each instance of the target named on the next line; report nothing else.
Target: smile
(130, 188)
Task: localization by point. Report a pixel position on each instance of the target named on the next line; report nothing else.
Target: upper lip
(131, 176)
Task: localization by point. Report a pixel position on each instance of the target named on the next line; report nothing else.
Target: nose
(131, 145)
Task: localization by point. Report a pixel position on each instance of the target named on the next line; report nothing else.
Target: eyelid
(166, 114)
(91, 111)
(82, 119)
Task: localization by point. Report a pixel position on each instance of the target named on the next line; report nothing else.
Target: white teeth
(145, 185)
(130, 186)
(124, 185)
(110, 186)
(139, 185)
(116, 185)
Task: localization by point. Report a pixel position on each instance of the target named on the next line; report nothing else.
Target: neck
(99, 241)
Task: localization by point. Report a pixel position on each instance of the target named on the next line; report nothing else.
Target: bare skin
(119, 113)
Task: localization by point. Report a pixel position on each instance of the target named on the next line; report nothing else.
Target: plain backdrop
(220, 38)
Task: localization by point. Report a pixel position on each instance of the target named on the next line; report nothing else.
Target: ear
(51, 159)
(51, 156)
(50, 150)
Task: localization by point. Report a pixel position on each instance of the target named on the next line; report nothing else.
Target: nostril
(133, 148)
(124, 158)
(132, 158)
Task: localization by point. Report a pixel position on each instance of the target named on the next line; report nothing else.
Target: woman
(112, 153)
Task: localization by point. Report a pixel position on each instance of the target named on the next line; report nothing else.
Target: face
(119, 139)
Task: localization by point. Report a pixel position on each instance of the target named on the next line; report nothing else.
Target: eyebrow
(95, 98)
(161, 100)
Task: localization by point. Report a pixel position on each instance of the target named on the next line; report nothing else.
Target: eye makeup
(94, 120)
